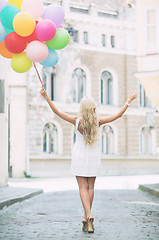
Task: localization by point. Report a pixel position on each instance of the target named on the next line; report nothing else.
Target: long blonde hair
(89, 118)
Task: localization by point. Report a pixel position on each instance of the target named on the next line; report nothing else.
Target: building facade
(148, 55)
(3, 123)
(100, 61)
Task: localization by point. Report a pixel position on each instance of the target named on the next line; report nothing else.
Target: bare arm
(113, 117)
(65, 116)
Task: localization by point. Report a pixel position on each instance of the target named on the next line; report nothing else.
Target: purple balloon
(55, 13)
(3, 3)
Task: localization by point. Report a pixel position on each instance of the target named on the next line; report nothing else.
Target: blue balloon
(7, 15)
(3, 33)
(51, 60)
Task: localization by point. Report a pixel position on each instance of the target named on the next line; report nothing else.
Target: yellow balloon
(20, 63)
(24, 24)
(16, 3)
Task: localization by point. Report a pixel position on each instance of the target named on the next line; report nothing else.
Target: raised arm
(65, 116)
(113, 117)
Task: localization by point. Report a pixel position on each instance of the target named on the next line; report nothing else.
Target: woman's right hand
(43, 92)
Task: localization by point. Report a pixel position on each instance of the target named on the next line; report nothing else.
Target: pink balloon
(45, 30)
(37, 51)
(34, 7)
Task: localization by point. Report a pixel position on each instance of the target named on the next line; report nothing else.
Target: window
(146, 140)
(112, 39)
(85, 37)
(75, 36)
(151, 32)
(103, 40)
(107, 140)
(106, 88)
(144, 101)
(1, 96)
(49, 80)
(50, 138)
(79, 85)
(74, 137)
(79, 10)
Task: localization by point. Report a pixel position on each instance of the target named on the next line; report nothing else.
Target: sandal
(90, 225)
(84, 227)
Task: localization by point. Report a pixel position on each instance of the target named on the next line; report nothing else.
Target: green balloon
(7, 15)
(9, 30)
(60, 40)
(21, 63)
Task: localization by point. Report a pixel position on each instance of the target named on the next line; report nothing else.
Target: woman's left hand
(132, 96)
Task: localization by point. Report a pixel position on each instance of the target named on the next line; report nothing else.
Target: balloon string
(38, 75)
(40, 97)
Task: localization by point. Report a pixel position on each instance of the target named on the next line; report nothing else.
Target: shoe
(84, 227)
(90, 224)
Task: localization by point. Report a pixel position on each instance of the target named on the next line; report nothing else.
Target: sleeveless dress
(86, 159)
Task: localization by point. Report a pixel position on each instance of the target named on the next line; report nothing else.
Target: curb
(30, 193)
(150, 188)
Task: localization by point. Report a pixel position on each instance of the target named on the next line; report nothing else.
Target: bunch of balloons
(30, 33)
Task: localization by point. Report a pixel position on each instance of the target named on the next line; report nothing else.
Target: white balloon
(34, 7)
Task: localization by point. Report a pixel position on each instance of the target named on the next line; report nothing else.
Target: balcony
(148, 63)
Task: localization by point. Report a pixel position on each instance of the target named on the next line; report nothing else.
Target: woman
(86, 160)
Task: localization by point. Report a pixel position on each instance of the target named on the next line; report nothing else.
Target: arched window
(50, 138)
(144, 101)
(49, 79)
(107, 143)
(106, 88)
(146, 140)
(79, 85)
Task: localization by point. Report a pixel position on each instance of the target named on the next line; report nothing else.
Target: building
(3, 123)
(100, 61)
(148, 55)
(148, 47)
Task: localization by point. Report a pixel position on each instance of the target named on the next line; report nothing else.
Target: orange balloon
(4, 52)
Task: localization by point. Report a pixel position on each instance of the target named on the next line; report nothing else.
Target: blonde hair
(89, 118)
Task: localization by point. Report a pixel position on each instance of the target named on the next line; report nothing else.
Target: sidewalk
(151, 188)
(11, 195)
(21, 189)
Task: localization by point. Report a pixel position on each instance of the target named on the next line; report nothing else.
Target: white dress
(86, 159)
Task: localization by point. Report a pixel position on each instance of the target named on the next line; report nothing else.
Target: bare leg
(91, 182)
(84, 194)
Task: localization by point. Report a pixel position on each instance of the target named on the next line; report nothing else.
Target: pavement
(121, 212)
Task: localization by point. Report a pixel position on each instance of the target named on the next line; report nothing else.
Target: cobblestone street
(119, 215)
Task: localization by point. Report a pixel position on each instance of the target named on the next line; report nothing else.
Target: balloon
(32, 37)
(55, 13)
(7, 15)
(20, 63)
(4, 51)
(16, 3)
(51, 60)
(3, 32)
(45, 30)
(15, 43)
(8, 30)
(60, 40)
(24, 24)
(60, 26)
(34, 7)
(3, 3)
(37, 51)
